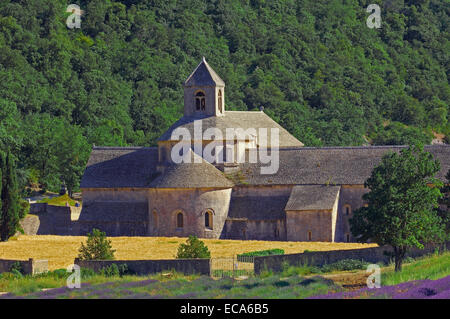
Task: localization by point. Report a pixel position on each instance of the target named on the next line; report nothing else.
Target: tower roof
(204, 75)
(196, 174)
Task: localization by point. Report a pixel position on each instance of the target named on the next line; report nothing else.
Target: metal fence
(234, 267)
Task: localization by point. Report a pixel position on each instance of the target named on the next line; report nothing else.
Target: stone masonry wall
(29, 267)
(319, 258)
(144, 267)
(352, 196)
(164, 204)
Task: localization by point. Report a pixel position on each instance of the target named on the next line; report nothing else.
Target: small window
(310, 236)
(208, 220)
(348, 210)
(155, 219)
(163, 154)
(180, 220)
(200, 102)
(219, 102)
(348, 237)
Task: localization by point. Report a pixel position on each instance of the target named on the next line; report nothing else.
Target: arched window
(348, 238)
(179, 220)
(310, 236)
(162, 151)
(219, 102)
(155, 219)
(200, 102)
(208, 219)
(347, 209)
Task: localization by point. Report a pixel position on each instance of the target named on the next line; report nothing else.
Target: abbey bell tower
(204, 92)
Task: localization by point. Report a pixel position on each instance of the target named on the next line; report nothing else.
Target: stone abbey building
(142, 191)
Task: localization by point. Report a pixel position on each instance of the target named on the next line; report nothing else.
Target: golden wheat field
(60, 251)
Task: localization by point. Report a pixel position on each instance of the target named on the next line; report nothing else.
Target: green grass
(230, 273)
(304, 269)
(59, 201)
(26, 284)
(170, 285)
(290, 283)
(427, 267)
(268, 252)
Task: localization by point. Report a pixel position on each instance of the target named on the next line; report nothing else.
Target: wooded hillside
(313, 64)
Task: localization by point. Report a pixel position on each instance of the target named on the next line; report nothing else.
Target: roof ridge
(289, 148)
(215, 78)
(123, 147)
(245, 111)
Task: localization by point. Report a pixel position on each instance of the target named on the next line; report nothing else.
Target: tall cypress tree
(10, 210)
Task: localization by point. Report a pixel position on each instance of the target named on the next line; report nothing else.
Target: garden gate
(234, 267)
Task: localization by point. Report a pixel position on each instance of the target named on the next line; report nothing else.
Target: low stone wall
(319, 258)
(37, 208)
(29, 267)
(144, 267)
(30, 224)
(51, 220)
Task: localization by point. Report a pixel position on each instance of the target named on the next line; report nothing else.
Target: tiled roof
(191, 175)
(235, 119)
(331, 165)
(312, 197)
(204, 75)
(113, 167)
(116, 167)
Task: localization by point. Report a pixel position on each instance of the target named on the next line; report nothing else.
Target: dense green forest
(313, 64)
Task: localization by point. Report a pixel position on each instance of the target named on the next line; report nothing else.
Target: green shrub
(97, 247)
(268, 252)
(345, 264)
(16, 268)
(194, 248)
(59, 273)
(114, 270)
(87, 273)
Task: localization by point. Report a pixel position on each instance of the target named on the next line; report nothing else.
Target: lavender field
(417, 289)
(201, 287)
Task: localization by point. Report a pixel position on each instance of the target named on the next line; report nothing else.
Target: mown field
(60, 251)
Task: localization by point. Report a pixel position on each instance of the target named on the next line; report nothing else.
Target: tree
(11, 208)
(401, 203)
(444, 206)
(194, 248)
(97, 247)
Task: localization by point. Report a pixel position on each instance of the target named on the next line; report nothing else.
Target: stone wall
(37, 208)
(50, 220)
(164, 205)
(115, 218)
(351, 196)
(257, 213)
(319, 258)
(243, 229)
(144, 267)
(29, 267)
(114, 194)
(300, 223)
(30, 224)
